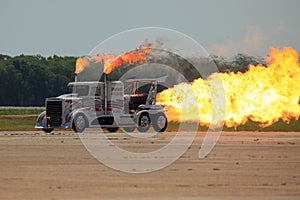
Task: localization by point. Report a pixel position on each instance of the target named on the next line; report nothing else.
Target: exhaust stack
(105, 93)
(75, 77)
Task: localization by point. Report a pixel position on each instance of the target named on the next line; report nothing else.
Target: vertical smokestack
(75, 77)
(105, 93)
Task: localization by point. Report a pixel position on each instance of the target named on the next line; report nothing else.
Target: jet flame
(263, 94)
(111, 61)
(127, 58)
(81, 63)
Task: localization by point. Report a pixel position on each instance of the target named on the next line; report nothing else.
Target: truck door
(152, 94)
(99, 98)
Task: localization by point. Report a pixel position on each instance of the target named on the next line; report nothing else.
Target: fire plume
(263, 94)
(111, 61)
(127, 58)
(81, 63)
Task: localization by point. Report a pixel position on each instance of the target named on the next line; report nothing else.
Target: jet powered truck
(105, 104)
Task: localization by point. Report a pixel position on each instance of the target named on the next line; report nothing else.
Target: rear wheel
(160, 122)
(47, 130)
(79, 123)
(144, 122)
(113, 129)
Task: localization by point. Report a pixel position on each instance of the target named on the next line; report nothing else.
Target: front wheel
(47, 130)
(144, 122)
(160, 122)
(79, 123)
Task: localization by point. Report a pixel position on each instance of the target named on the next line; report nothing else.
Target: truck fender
(138, 114)
(77, 112)
(150, 112)
(41, 120)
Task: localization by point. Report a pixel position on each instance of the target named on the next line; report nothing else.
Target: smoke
(253, 40)
(227, 48)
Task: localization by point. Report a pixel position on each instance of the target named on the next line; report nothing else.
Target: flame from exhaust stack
(81, 63)
(127, 58)
(262, 94)
(111, 61)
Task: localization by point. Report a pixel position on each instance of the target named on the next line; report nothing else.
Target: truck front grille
(54, 112)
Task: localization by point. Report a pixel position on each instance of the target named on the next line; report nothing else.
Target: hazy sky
(223, 27)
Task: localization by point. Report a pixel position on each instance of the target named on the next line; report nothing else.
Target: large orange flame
(262, 94)
(127, 58)
(81, 63)
(111, 61)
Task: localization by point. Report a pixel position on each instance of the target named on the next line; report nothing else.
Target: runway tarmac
(242, 165)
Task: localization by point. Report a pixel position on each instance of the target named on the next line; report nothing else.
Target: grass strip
(20, 112)
(17, 123)
(25, 123)
(280, 126)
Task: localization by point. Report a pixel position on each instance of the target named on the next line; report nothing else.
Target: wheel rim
(161, 121)
(80, 122)
(145, 121)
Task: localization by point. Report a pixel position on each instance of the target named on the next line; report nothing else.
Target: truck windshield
(81, 90)
(137, 87)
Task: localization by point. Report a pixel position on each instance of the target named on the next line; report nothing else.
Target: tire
(160, 122)
(144, 122)
(47, 130)
(79, 123)
(112, 130)
(129, 129)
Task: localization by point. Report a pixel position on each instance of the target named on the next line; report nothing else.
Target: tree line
(26, 80)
